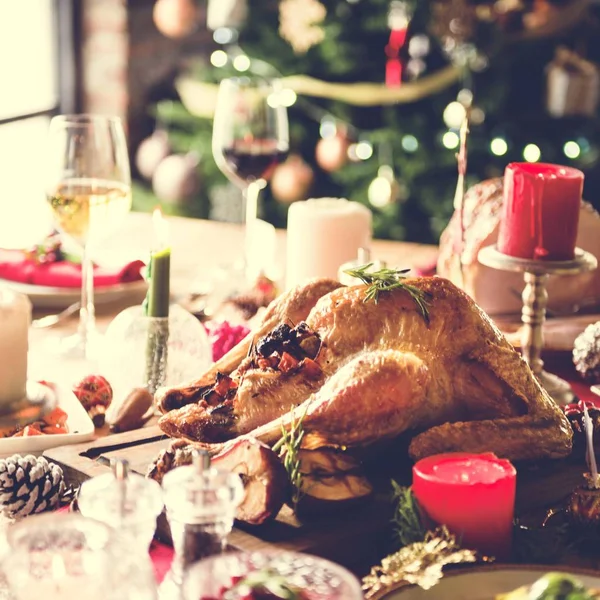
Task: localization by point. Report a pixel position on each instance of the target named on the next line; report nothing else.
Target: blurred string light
(225, 35)
(499, 146)
(572, 149)
(450, 140)
(454, 114)
(532, 153)
(328, 127)
(241, 63)
(409, 143)
(362, 150)
(219, 58)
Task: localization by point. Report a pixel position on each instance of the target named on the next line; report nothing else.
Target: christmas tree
(379, 90)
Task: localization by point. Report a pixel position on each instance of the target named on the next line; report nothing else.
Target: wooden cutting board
(356, 537)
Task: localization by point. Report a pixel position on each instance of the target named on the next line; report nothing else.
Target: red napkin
(15, 266)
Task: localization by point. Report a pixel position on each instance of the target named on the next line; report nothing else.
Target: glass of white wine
(88, 188)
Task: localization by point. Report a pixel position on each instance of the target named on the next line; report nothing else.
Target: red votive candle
(540, 213)
(473, 495)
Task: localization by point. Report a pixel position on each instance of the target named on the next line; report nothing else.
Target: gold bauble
(175, 18)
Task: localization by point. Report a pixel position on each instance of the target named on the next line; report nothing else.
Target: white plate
(81, 429)
(484, 583)
(42, 296)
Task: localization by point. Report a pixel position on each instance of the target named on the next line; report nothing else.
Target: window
(35, 83)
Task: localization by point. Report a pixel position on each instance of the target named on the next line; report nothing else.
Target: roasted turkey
(359, 370)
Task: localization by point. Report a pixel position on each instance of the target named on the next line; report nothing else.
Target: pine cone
(29, 485)
(586, 353)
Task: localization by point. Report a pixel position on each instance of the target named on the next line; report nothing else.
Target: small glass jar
(127, 502)
(320, 578)
(201, 502)
(66, 555)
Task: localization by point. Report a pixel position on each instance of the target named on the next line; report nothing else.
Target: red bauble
(332, 152)
(175, 18)
(291, 180)
(95, 394)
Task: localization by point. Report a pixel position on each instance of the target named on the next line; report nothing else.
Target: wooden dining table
(197, 247)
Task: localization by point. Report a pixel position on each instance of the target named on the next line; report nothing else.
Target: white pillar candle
(15, 318)
(323, 234)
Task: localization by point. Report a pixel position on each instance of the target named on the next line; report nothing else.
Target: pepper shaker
(128, 502)
(201, 502)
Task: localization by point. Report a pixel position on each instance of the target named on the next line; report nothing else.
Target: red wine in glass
(252, 161)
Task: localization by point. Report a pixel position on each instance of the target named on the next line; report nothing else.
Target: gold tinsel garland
(420, 563)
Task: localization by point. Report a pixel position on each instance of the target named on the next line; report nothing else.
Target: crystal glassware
(126, 501)
(62, 555)
(124, 357)
(88, 188)
(201, 503)
(250, 138)
(312, 578)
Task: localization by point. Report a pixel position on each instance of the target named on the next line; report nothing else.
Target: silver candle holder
(535, 299)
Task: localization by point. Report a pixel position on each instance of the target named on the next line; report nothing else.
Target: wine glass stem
(251, 193)
(87, 316)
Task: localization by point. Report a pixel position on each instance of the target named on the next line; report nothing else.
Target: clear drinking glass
(88, 188)
(66, 555)
(250, 138)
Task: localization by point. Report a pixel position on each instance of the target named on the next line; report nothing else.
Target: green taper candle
(159, 271)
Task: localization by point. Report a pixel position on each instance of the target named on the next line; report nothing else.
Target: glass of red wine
(250, 138)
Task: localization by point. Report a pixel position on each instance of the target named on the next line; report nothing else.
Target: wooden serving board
(356, 537)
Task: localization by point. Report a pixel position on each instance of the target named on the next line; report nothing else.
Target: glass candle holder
(201, 502)
(142, 351)
(65, 555)
(320, 579)
(125, 501)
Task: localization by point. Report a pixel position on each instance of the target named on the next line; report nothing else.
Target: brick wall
(127, 64)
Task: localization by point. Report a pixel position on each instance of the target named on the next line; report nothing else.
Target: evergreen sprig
(289, 451)
(386, 279)
(408, 524)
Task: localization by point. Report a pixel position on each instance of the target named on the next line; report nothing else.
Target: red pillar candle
(473, 495)
(540, 213)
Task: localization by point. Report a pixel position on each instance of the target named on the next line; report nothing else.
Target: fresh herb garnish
(270, 581)
(408, 524)
(289, 451)
(386, 279)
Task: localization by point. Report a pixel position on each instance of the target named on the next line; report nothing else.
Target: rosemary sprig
(389, 279)
(408, 524)
(289, 452)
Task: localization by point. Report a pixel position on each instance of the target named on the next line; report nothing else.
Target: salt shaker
(201, 502)
(128, 502)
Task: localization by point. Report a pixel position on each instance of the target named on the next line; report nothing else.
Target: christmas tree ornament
(332, 152)
(300, 23)
(586, 353)
(291, 180)
(175, 18)
(151, 152)
(177, 178)
(572, 85)
(29, 485)
(226, 14)
(384, 189)
(95, 394)
(399, 16)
